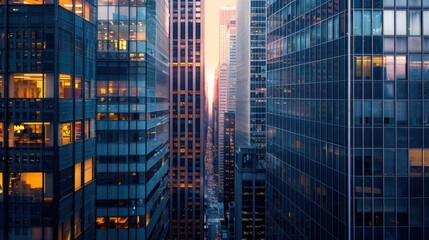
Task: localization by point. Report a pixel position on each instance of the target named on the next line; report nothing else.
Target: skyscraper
(186, 115)
(133, 120)
(251, 74)
(225, 15)
(232, 64)
(347, 120)
(249, 194)
(47, 128)
(229, 169)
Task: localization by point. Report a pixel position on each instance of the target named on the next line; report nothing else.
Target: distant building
(47, 119)
(132, 120)
(232, 64)
(229, 154)
(187, 119)
(225, 15)
(249, 190)
(348, 120)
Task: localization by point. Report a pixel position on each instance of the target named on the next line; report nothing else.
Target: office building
(249, 194)
(186, 119)
(232, 64)
(251, 74)
(229, 154)
(347, 119)
(225, 14)
(47, 125)
(133, 120)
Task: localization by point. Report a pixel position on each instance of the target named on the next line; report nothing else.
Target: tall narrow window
(389, 68)
(388, 20)
(358, 67)
(377, 25)
(77, 176)
(89, 171)
(65, 87)
(401, 67)
(426, 22)
(414, 21)
(401, 23)
(367, 22)
(357, 23)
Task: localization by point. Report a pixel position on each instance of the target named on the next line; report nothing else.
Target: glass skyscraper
(251, 74)
(47, 119)
(186, 119)
(348, 154)
(133, 122)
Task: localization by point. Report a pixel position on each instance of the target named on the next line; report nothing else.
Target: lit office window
(66, 90)
(77, 176)
(88, 171)
(29, 134)
(31, 85)
(65, 132)
(31, 187)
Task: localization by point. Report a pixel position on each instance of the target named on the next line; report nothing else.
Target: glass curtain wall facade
(229, 154)
(347, 149)
(251, 74)
(249, 194)
(132, 120)
(47, 125)
(186, 119)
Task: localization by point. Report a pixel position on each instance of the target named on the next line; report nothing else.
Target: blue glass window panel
(401, 3)
(414, 23)
(425, 22)
(389, 45)
(389, 163)
(415, 67)
(377, 25)
(389, 3)
(401, 113)
(426, 67)
(402, 160)
(367, 28)
(414, 3)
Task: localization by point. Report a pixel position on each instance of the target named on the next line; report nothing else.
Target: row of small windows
(81, 8)
(414, 162)
(39, 85)
(413, 23)
(392, 67)
(37, 134)
(326, 31)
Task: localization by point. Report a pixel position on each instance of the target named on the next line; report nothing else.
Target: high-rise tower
(133, 122)
(186, 118)
(251, 74)
(348, 119)
(47, 125)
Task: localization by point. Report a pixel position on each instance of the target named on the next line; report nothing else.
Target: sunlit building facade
(47, 125)
(132, 120)
(348, 119)
(251, 74)
(186, 119)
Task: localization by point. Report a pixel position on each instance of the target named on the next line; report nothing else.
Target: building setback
(47, 119)
(347, 119)
(133, 120)
(186, 119)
